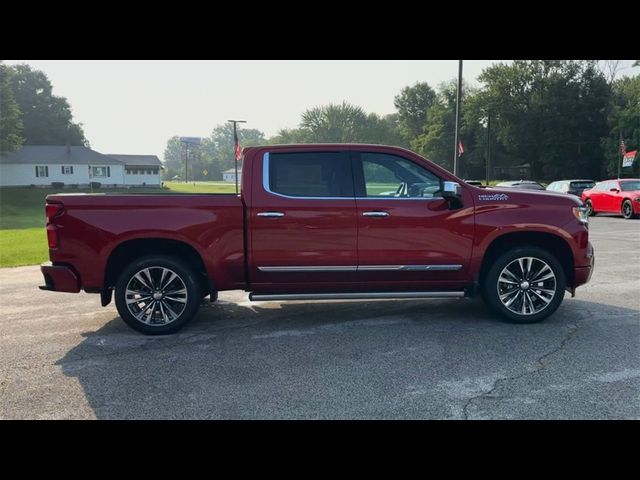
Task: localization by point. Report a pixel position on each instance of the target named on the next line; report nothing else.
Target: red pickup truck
(315, 222)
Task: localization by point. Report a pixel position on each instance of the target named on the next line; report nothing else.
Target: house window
(42, 171)
(67, 170)
(100, 171)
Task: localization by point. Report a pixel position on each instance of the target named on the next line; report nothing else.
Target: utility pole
(236, 148)
(488, 146)
(458, 112)
(186, 161)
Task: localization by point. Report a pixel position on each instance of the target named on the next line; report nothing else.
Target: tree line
(30, 114)
(561, 118)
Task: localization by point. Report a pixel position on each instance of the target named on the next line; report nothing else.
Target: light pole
(488, 146)
(458, 112)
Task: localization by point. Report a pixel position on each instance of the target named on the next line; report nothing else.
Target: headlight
(581, 214)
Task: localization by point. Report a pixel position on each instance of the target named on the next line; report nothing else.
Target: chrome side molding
(363, 268)
(256, 297)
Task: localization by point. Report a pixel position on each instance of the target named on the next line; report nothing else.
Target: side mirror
(452, 193)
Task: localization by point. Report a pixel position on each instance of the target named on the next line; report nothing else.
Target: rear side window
(310, 174)
(582, 185)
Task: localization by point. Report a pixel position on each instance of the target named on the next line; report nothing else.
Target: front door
(407, 235)
(302, 222)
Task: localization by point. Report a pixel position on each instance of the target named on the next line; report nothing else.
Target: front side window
(312, 174)
(396, 177)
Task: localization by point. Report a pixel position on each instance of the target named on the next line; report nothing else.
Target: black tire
(590, 211)
(177, 314)
(627, 209)
(491, 288)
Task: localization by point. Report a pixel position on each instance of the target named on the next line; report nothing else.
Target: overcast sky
(136, 106)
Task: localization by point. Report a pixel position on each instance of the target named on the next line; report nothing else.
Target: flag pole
(458, 111)
(623, 149)
(236, 146)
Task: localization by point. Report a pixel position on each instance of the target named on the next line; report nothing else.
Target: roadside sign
(191, 140)
(628, 158)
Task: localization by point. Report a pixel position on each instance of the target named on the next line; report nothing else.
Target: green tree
(173, 159)
(413, 104)
(10, 114)
(215, 154)
(436, 141)
(332, 123)
(46, 118)
(549, 113)
(623, 121)
(344, 123)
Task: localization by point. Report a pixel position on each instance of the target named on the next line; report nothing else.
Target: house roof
(232, 170)
(137, 160)
(57, 155)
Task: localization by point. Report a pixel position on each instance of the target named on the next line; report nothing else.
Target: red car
(320, 222)
(620, 196)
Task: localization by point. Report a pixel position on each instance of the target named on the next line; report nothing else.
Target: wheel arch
(130, 250)
(554, 244)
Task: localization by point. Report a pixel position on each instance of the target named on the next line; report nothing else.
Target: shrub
(96, 184)
(57, 184)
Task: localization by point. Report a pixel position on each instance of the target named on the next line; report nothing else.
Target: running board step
(256, 297)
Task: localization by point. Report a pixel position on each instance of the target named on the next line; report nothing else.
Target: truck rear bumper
(59, 279)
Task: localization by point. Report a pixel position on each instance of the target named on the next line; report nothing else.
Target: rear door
(407, 235)
(302, 221)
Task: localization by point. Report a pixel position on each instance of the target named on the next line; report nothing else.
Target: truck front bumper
(59, 278)
(583, 274)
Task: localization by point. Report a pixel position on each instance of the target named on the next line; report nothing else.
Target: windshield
(630, 186)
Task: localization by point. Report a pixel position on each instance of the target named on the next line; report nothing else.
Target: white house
(230, 175)
(140, 169)
(74, 165)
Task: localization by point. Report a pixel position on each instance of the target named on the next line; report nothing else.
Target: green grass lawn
(23, 240)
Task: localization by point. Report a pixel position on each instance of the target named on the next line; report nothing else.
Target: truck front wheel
(525, 285)
(157, 295)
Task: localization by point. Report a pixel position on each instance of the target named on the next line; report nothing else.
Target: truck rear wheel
(157, 294)
(525, 285)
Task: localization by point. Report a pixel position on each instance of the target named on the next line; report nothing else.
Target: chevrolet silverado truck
(321, 222)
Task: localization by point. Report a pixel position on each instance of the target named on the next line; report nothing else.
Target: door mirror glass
(451, 190)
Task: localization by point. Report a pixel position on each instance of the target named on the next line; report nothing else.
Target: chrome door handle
(375, 214)
(271, 214)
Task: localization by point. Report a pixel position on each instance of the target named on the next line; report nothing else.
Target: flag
(623, 147)
(460, 147)
(628, 158)
(237, 143)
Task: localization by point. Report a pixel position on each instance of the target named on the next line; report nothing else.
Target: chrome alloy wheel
(156, 296)
(526, 286)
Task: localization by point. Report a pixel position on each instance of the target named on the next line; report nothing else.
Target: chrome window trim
(265, 186)
(362, 268)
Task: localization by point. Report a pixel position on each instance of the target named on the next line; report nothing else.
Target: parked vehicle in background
(572, 187)
(621, 196)
(526, 184)
(321, 222)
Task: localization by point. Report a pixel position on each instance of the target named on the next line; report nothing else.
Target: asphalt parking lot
(64, 356)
